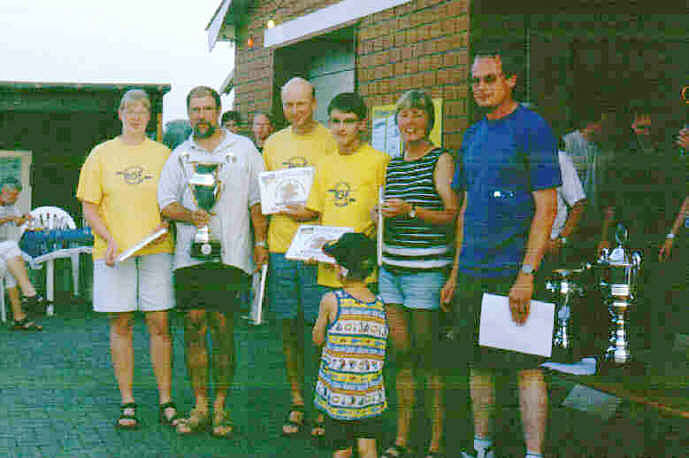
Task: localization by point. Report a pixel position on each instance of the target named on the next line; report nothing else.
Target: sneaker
(472, 453)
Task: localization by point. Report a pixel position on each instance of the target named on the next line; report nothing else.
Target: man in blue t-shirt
(508, 174)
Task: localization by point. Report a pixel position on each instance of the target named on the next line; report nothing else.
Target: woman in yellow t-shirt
(118, 190)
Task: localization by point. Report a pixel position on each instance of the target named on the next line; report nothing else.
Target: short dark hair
(231, 115)
(203, 91)
(512, 57)
(266, 114)
(349, 102)
(11, 182)
(355, 252)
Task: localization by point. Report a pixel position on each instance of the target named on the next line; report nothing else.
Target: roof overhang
(227, 85)
(226, 21)
(324, 19)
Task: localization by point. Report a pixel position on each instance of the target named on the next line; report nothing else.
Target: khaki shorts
(141, 283)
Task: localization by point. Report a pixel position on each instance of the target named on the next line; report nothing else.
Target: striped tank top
(410, 243)
(350, 379)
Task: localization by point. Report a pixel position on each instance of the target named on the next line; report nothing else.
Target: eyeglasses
(488, 79)
(347, 122)
(131, 113)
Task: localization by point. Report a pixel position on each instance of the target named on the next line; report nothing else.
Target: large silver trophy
(619, 281)
(566, 291)
(206, 188)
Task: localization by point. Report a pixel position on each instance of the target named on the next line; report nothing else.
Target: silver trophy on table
(619, 281)
(206, 188)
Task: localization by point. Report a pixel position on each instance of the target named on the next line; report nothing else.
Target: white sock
(482, 444)
(533, 455)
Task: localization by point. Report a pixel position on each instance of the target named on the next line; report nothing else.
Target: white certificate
(284, 187)
(497, 329)
(308, 242)
(140, 244)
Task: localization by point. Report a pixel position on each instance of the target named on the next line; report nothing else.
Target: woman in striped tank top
(420, 209)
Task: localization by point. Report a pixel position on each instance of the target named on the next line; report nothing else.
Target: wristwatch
(527, 269)
(261, 243)
(412, 212)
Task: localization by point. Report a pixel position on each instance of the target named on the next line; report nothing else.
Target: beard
(200, 133)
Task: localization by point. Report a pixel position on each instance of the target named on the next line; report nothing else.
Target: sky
(116, 41)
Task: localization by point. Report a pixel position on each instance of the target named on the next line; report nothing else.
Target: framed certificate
(284, 187)
(308, 242)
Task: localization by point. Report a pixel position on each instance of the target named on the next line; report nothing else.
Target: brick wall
(422, 44)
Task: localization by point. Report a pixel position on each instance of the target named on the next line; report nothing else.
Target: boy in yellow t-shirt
(345, 187)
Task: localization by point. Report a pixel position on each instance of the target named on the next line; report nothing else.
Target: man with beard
(293, 290)
(210, 292)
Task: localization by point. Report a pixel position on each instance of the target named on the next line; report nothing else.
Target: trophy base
(207, 251)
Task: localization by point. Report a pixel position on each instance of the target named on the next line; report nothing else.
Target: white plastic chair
(56, 218)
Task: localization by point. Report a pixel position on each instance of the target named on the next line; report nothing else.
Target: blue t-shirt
(501, 162)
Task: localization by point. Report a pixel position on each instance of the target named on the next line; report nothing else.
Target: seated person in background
(11, 258)
(351, 322)
(232, 121)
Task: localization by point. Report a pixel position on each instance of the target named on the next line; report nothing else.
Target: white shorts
(141, 283)
(8, 249)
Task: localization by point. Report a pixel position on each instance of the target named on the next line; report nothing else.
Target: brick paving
(58, 398)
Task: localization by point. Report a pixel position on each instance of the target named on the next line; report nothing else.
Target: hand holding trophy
(206, 188)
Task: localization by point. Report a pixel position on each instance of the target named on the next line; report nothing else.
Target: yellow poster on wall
(385, 136)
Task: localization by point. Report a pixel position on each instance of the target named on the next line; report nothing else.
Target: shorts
(210, 286)
(141, 283)
(341, 434)
(467, 315)
(293, 288)
(414, 290)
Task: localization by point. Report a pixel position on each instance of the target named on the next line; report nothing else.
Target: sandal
(168, 420)
(25, 325)
(291, 422)
(435, 455)
(196, 422)
(223, 428)
(128, 412)
(318, 430)
(396, 451)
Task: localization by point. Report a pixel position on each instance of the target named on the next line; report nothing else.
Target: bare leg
(293, 349)
(424, 332)
(224, 358)
(161, 352)
(195, 327)
(482, 387)
(533, 401)
(367, 448)
(123, 357)
(16, 304)
(16, 267)
(404, 382)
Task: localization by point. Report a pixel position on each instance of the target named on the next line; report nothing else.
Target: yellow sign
(385, 135)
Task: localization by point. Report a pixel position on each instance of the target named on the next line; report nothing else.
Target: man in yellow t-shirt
(345, 188)
(293, 288)
(118, 189)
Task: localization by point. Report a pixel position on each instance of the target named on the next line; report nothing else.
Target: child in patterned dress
(352, 330)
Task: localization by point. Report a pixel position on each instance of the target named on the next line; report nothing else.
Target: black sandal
(396, 451)
(164, 419)
(25, 325)
(298, 425)
(127, 416)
